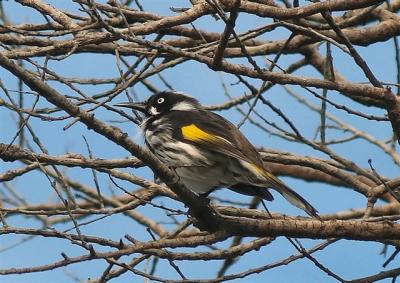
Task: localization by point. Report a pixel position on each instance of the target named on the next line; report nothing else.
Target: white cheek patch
(153, 111)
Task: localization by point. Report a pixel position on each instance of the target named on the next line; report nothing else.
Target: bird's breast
(160, 140)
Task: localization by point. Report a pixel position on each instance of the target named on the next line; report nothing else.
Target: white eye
(160, 100)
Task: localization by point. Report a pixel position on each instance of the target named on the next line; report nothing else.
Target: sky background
(350, 259)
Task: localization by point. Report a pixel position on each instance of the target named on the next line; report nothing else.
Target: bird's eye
(160, 100)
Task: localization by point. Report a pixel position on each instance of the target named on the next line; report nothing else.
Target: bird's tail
(293, 197)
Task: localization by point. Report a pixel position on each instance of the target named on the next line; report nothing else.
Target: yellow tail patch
(262, 172)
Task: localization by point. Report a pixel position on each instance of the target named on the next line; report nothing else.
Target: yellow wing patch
(195, 134)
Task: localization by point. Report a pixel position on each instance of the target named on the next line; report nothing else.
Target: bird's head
(164, 102)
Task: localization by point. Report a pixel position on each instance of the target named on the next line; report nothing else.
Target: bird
(206, 151)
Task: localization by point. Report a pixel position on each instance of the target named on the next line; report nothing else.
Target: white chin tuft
(153, 111)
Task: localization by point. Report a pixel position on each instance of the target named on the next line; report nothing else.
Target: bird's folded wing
(212, 142)
(232, 143)
(214, 133)
(221, 145)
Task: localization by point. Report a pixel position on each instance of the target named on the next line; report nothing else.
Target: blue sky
(347, 258)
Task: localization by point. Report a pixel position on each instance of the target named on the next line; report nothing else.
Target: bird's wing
(212, 132)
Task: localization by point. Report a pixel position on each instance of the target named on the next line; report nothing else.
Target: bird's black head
(164, 102)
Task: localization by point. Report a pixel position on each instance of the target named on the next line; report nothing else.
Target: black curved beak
(140, 106)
